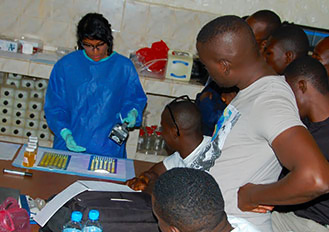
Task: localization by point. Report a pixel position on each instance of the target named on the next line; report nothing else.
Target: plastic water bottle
(92, 224)
(74, 225)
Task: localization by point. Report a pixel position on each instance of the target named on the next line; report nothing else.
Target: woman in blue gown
(90, 90)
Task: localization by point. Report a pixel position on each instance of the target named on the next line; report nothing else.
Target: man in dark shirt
(308, 80)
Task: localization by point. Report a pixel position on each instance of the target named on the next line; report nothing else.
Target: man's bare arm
(308, 177)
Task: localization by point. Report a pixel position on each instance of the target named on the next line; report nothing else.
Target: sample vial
(141, 141)
(33, 139)
(157, 142)
(33, 142)
(34, 146)
(29, 157)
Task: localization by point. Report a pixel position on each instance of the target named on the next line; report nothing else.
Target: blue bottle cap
(76, 216)
(93, 214)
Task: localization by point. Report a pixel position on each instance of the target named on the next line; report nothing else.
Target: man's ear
(173, 132)
(224, 66)
(290, 56)
(302, 85)
(262, 46)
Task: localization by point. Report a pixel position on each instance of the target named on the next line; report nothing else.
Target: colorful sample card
(103, 164)
(54, 160)
(81, 164)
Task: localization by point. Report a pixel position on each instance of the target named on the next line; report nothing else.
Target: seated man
(186, 199)
(321, 52)
(309, 82)
(285, 45)
(181, 130)
(263, 23)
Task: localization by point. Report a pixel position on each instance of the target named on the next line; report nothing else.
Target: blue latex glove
(131, 118)
(70, 143)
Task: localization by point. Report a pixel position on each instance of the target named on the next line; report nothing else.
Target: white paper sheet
(74, 189)
(8, 150)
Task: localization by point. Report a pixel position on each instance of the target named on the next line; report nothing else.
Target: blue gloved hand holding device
(69, 140)
(131, 118)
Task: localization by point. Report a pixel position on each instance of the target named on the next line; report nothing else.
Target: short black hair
(94, 26)
(188, 199)
(292, 38)
(310, 69)
(225, 24)
(271, 19)
(187, 116)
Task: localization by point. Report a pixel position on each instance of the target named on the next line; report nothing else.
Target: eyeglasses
(91, 47)
(178, 99)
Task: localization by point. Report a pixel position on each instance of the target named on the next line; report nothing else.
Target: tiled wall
(139, 23)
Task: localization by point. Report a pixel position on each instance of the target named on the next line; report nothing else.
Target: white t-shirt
(241, 225)
(255, 117)
(194, 160)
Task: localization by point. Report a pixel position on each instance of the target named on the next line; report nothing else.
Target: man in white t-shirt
(186, 199)
(259, 130)
(181, 130)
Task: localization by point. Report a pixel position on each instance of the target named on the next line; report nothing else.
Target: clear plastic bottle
(33, 142)
(149, 142)
(157, 143)
(74, 225)
(92, 224)
(141, 141)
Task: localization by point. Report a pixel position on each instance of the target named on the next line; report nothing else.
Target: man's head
(263, 23)
(307, 78)
(95, 36)
(321, 52)
(227, 46)
(185, 199)
(286, 44)
(180, 118)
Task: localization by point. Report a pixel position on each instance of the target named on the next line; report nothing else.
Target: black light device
(119, 133)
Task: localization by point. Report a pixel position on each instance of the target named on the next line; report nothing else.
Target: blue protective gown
(86, 97)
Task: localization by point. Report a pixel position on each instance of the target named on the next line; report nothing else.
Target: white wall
(137, 24)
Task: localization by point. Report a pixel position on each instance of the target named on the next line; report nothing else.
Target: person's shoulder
(272, 80)
(206, 139)
(121, 57)
(241, 225)
(274, 86)
(173, 161)
(69, 57)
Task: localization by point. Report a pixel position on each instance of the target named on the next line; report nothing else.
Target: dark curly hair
(94, 26)
(310, 69)
(188, 199)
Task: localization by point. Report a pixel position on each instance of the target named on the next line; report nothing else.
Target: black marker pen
(17, 172)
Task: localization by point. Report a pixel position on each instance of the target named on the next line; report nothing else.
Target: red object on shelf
(158, 50)
(141, 132)
(154, 127)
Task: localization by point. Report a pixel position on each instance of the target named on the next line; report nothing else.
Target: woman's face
(95, 49)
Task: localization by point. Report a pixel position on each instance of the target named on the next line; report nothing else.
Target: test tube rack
(21, 107)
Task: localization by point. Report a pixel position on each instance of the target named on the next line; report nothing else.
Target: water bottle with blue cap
(92, 224)
(74, 225)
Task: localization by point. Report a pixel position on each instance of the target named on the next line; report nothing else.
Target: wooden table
(46, 184)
